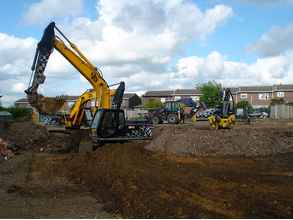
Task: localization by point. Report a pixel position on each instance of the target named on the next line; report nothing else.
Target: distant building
(257, 96)
(130, 100)
(260, 96)
(169, 95)
(22, 103)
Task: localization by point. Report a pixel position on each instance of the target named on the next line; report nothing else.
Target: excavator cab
(110, 125)
(224, 116)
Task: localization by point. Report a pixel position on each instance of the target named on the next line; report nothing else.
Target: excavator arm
(108, 123)
(101, 92)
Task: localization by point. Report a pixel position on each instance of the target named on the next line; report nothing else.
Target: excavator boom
(107, 121)
(49, 105)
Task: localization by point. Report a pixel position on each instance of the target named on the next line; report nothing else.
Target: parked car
(203, 114)
(259, 115)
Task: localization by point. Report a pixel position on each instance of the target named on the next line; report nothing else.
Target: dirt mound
(26, 135)
(132, 182)
(239, 141)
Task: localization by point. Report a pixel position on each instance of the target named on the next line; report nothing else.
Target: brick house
(130, 100)
(69, 101)
(257, 96)
(22, 103)
(260, 96)
(169, 95)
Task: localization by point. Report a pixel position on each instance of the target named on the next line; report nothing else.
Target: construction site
(212, 151)
(186, 171)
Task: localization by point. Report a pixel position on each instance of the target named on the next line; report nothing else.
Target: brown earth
(126, 180)
(32, 137)
(257, 139)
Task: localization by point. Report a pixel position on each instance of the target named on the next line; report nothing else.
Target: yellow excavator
(107, 122)
(224, 115)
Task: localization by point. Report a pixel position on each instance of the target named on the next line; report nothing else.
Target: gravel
(247, 141)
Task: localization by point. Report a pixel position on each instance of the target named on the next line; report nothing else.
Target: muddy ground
(126, 180)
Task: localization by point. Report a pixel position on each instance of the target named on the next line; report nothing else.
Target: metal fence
(134, 113)
(281, 111)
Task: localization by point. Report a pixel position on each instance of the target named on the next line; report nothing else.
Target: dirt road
(126, 180)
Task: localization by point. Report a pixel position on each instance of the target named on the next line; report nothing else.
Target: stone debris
(242, 141)
(5, 152)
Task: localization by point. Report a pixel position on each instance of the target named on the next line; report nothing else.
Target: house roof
(22, 100)
(161, 93)
(255, 89)
(158, 93)
(281, 87)
(128, 95)
(74, 98)
(187, 92)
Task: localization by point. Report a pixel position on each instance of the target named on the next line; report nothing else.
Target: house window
(243, 95)
(177, 98)
(263, 96)
(280, 94)
(163, 100)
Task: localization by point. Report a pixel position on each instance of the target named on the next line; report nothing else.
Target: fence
(281, 111)
(133, 113)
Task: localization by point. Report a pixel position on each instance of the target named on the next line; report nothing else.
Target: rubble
(247, 141)
(132, 182)
(5, 152)
(28, 136)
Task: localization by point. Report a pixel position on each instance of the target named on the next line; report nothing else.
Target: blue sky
(235, 42)
(249, 23)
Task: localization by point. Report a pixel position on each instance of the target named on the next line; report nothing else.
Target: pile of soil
(239, 141)
(132, 182)
(26, 135)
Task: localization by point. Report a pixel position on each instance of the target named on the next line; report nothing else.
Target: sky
(150, 44)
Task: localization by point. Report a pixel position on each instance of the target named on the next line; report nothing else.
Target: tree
(153, 103)
(211, 93)
(244, 105)
(277, 101)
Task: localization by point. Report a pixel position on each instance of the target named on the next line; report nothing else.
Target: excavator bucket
(46, 105)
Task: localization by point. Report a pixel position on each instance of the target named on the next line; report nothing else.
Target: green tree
(211, 93)
(276, 101)
(244, 105)
(18, 112)
(153, 103)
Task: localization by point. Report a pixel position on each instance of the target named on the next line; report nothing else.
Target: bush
(18, 112)
(211, 94)
(153, 103)
(244, 105)
(276, 101)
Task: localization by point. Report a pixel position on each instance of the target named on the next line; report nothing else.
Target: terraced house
(257, 96)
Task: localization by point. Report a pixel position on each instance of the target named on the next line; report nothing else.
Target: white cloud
(18, 87)
(16, 54)
(48, 10)
(274, 42)
(134, 36)
(133, 41)
(215, 67)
